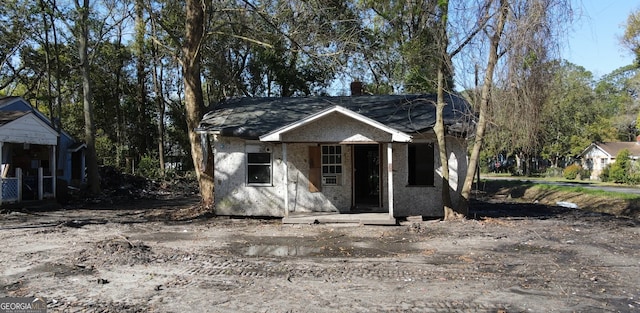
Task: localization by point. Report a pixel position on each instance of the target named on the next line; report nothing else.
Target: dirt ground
(146, 256)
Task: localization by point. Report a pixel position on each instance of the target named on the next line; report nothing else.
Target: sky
(594, 41)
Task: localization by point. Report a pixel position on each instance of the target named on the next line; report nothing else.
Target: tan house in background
(600, 154)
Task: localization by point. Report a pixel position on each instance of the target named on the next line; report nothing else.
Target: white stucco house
(600, 154)
(280, 156)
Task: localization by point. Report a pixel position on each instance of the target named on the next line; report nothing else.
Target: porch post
(40, 183)
(390, 177)
(285, 179)
(19, 176)
(54, 169)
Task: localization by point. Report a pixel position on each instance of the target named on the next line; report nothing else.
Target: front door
(366, 177)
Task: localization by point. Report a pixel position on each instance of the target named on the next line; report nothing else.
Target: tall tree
(194, 102)
(82, 36)
(631, 37)
(485, 94)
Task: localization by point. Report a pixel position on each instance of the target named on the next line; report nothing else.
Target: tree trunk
(449, 212)
(160, 105)
(141, 135)
(485, 98)
(89, 127)
(439, 129)
(194, 103)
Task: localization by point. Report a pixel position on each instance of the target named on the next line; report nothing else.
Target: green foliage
(148, 167)
(553, 171)
(572, 171)
(619, 171)
(605, 173)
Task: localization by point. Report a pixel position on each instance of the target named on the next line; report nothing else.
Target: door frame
(355, 203)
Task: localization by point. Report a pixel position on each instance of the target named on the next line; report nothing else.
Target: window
(259, 168)
(421, 165)
(331, 165)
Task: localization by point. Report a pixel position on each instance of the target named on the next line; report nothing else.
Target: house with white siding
(34, 155)
(601, 154)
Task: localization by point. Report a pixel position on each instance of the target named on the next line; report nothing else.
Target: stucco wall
(336, 127)
(234, 197)
(232, 194)
(331, 198)
(427, 200)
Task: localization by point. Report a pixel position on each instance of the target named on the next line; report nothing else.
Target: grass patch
(589, 191)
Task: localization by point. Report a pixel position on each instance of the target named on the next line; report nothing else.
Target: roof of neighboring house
(613, 148)
(14, 103)
(253, 117)
(10, 116)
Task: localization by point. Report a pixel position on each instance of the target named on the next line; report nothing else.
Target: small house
(351, 154)
(600, 154)
(34, 155)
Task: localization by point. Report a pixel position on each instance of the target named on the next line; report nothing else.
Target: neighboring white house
(600, 154)
(34, 154)
(273, 156)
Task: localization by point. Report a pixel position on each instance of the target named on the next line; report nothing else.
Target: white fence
(12, 187)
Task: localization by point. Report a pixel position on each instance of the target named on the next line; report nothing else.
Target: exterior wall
(336, 127)
(330, 198)
(427, 200)
(596, 160)
(28, 129)
(234, 197)
(232, 194)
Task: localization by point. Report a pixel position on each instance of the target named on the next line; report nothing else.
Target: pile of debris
(119, 187)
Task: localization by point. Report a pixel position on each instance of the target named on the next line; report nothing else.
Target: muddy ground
(151, 256)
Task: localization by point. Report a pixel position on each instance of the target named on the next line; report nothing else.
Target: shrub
(572, 171)
(604, 175)
(553, 171)
(148, 167)
(619, 171)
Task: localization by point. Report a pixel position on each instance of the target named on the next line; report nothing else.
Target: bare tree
(524, 32)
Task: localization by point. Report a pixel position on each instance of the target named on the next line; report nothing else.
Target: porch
(339, 218)
(27, 157)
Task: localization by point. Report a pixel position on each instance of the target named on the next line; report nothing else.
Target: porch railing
(12, 191)
(12, 188)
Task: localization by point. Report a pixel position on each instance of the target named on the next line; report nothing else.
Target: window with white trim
(332, 165)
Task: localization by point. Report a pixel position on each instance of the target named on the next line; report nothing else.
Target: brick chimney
(358, 90)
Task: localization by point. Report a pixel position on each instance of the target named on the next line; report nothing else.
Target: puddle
(274, 250)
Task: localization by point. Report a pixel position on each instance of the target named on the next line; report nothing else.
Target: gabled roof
(25, 127)
(611, 149)
(396, 135)
(13, 103)
(10, 116)
(252, 118)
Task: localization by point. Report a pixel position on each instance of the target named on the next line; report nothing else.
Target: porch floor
(333, 217)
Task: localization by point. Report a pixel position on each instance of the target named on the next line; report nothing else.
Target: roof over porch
(25, 127)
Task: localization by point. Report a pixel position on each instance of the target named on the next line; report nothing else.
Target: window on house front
(331, 165)
(259, 168)
(421, 164)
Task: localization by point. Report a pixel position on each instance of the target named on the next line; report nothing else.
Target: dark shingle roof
(254, 117)
(10, 116)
